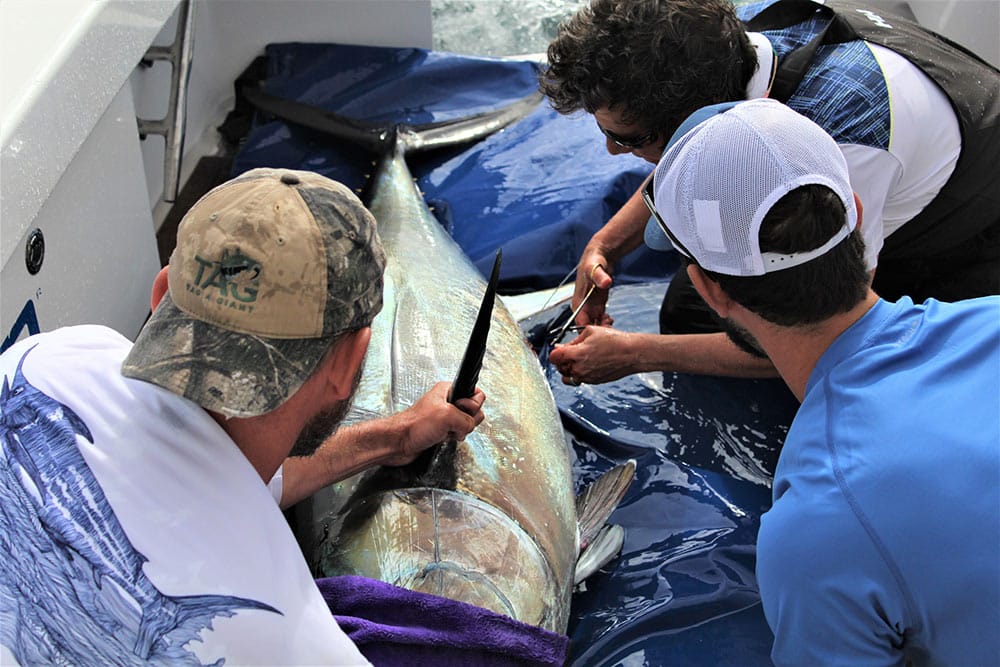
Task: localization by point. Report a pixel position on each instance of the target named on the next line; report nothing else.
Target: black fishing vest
(969, 203)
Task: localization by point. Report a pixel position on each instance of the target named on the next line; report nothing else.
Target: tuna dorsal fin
(596, 503)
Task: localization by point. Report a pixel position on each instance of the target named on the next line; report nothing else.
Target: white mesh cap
(714, 185)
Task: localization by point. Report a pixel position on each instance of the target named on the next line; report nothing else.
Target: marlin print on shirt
(73, 588)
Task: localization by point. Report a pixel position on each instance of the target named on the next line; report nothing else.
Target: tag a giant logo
(233, 280)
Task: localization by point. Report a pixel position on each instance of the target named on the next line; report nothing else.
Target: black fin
(379, 136)
(472, 361)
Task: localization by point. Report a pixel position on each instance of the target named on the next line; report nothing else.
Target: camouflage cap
(269, 269)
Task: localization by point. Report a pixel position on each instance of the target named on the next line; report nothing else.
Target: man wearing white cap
(883, 542)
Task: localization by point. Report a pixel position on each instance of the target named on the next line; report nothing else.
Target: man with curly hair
(924, 166)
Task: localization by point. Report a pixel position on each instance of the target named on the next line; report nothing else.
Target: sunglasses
(647, 197)
(629, 143)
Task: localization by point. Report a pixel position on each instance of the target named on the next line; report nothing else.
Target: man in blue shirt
(882, 546)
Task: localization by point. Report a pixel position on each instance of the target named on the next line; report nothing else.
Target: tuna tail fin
(599, 542)
(190, 614)
(450, 132)
(378, 137)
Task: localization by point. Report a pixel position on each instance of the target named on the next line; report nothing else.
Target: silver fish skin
(496, 526)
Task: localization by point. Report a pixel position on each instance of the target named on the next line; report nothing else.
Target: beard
(318, 429)
(743, 339)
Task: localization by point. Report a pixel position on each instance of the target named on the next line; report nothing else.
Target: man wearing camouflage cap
(135, 481)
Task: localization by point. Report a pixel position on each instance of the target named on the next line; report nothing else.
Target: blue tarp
(540, 188)
(683, 590)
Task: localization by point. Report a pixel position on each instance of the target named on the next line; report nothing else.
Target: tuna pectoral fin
(600, 542)
(599, 500)
(602, 549)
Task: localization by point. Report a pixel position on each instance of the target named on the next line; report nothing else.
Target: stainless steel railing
(171, 126)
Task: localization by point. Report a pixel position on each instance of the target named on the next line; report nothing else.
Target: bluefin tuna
(493, 520)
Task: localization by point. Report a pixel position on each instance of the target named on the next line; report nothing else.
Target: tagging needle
(572, 317)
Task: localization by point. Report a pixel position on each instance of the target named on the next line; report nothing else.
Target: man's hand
(433, 419)
(598, 354)
(602, 354)
(594, 270)
(619, 236)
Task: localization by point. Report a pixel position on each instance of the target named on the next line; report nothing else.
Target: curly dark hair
(654, 61)
(809, 293)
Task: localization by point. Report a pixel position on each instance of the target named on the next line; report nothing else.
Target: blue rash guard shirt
(883, 542)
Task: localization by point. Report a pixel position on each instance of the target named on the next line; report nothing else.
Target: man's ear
(159, 288)
(710, 291)
(857, 205)
(343, 363)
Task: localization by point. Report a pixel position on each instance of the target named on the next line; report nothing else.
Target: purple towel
(397, 626)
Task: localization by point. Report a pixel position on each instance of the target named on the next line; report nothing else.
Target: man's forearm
(623, 233)
(348, 451)
(391, 441)
(703, 354)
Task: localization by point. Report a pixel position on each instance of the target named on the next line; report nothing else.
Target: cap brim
(234, 374)
(655, 238)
